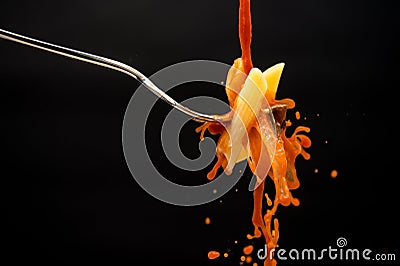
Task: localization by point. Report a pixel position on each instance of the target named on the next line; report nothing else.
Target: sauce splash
(287, 149)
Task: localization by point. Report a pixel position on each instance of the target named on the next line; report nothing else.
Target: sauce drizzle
(245, 29)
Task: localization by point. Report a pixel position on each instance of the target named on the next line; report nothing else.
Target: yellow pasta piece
(272, 76)
(247, 106)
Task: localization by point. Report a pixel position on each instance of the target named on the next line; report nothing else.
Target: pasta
(246, 88)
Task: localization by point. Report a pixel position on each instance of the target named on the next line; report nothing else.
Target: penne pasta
(247, 106)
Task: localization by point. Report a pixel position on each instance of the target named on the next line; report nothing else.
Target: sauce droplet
(248, 249)
(334, 174)
(297, 114)
(213, 254)
(269, 201)
(249, 259)
(207, 220)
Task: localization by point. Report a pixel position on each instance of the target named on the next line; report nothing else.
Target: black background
(68, 196)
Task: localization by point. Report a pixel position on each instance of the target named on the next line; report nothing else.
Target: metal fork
(115, 65)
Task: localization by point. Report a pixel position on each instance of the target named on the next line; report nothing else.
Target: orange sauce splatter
(249, 259)
(225, 255)
(207, 220)
(297, 114)
(248, 249)
(334, 173)
(269, 201)
(213, 254)
(288, 148)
